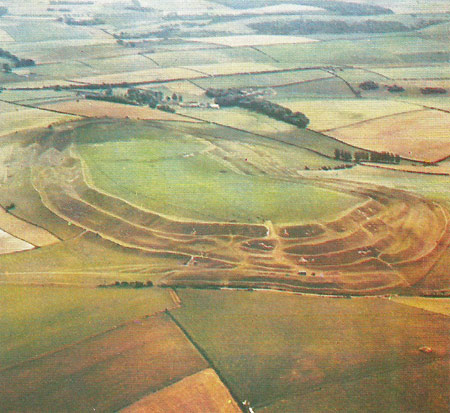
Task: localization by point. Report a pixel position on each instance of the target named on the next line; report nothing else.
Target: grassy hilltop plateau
(224, 206)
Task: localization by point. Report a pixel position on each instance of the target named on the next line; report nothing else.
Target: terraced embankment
(389, 242)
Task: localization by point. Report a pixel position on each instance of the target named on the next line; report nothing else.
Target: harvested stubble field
(199, 393)
(42, 319)
(337, 113)
(434, 305)
(107, 372)
(302, 350)
(421, 134)
(10, 244)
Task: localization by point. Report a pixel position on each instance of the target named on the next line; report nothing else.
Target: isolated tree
(7, 68)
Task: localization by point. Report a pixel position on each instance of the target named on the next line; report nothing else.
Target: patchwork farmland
(216, 206)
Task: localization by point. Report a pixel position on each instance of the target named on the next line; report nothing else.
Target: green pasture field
(427, 72)
(30, 97)
(279, 350)
(438, 31)
(37, 320)
(68, 50)
(209, 56)
(432, 187)
(355, 76)
(426, 57)
(127, 63)
(62, 70)
(240, 118)
(261, 80)
(203, 187)
(329, 88)
(188, 177)
(338, 52)
(373, 50)
(28, 31)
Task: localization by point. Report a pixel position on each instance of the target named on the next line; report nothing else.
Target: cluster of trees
(85, 22)
(369, 85)
(335, 168)
(3, 11)
(151, 98)
(166, 108)
(126, 284)
(384, 157)
(139, 43)
(243, 99)
(109, 98)
(163, 32)
(145, 97)
(306, 27)
(433, 90)
(361, 156)
(16, 61)
(341, 155)
(395, 89)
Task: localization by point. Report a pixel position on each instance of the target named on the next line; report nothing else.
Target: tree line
(306, 27)
(247, 100)
(152, 98)
(361, 156)
(16, 61)
(128, 284)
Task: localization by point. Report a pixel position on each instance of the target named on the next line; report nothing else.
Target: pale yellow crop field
(436, 305)
(422, 135)
(15, 121)
(31, 234)
(253, 40)
(330, 114)
(201, 392)
(9, 244)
